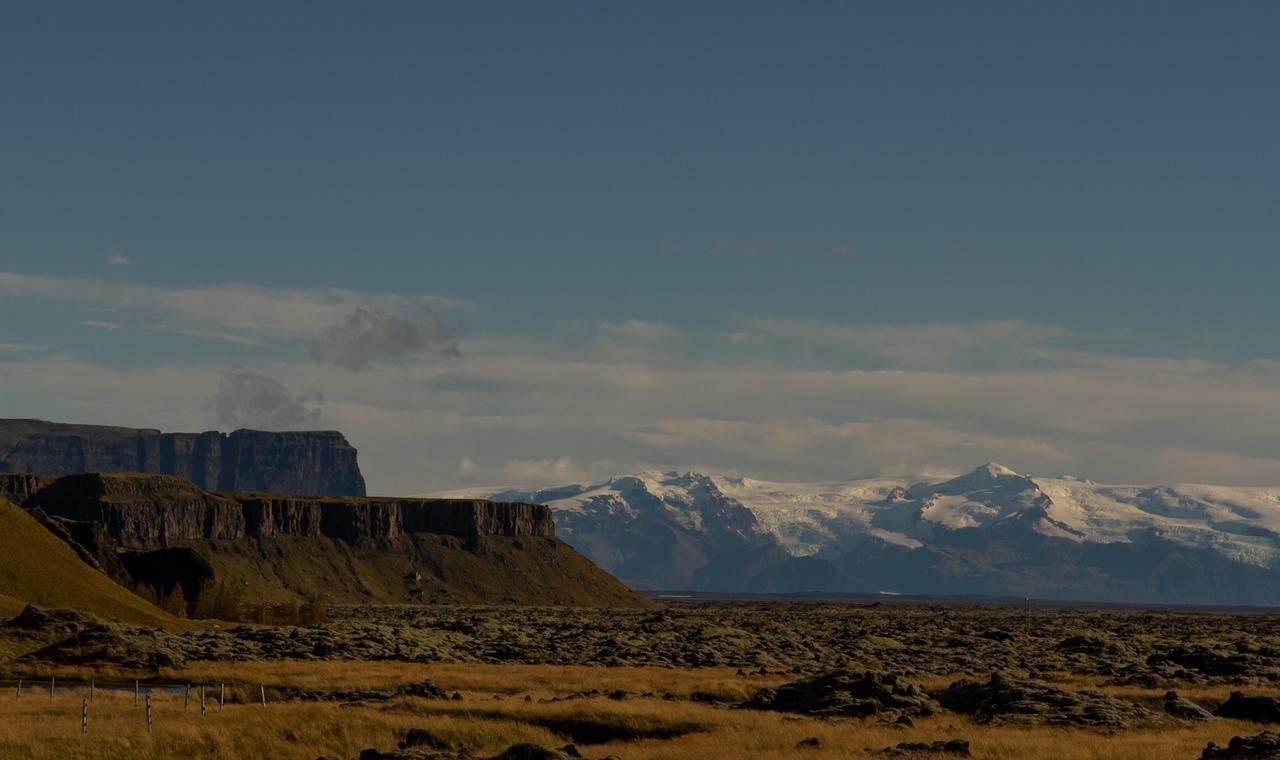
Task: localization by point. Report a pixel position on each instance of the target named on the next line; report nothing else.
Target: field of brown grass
(494, 713)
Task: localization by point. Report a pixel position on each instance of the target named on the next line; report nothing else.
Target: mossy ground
(494, 714)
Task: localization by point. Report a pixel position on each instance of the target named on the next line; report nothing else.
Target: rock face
(315, 462)
(156, 511)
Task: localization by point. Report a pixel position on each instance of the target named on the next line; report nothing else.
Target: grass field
(494, 714)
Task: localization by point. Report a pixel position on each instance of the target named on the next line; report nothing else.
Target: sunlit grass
(495, 714)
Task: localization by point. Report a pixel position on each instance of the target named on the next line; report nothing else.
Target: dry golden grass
(494, 714)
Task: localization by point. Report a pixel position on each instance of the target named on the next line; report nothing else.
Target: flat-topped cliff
(162, 531)
(153, 511)
(310, 462)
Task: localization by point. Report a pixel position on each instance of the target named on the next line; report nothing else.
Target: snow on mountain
(992, 529)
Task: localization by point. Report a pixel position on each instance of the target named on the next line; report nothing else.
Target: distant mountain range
(992, 531)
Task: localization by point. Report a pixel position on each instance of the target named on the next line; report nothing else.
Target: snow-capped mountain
(990, 531)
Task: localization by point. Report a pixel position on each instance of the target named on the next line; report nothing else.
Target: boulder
(1264, 746)
(1184, 709)
(955, 747)
(1007, 699)
(845, 693)
(1256, 709)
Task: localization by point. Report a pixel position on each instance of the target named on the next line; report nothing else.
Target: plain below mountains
(992, 531)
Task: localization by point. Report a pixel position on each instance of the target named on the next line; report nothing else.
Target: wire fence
(206, 697)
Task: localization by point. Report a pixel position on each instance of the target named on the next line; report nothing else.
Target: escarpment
(158, 532)
(154, 511)
(312, 462)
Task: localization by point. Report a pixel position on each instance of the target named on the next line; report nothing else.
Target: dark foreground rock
(1005, 699)
(1184, 709)
(1256, 709)
(845, 693)
(1264, 746)
(431, 748)
(421, 690)
(953, 747)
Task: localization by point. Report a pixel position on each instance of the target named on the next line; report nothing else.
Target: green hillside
(36, 568)
(417, 568)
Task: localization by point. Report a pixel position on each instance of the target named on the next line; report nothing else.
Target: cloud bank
(365, 335)
(247, 399)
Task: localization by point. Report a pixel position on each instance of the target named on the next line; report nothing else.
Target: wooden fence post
(51, 680)
(19, 692)
(222, 695)
(201, 700)
(148, 712)
(84, 717)
(135, 691)
(263, 691)
(186, 697)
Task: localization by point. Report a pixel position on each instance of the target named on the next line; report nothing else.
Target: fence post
(263, 691)
(148, 712)
(19, 692)
(201, 700)
(186, 697)
(135, 691)
(222, 695)
(84, 717)
(51, 680)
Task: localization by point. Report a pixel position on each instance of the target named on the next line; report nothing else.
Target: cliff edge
(310, 462)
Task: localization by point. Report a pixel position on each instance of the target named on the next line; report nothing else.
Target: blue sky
(806, 241)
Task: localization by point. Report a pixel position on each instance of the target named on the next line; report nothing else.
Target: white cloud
(918, 345)
(236, 307)
(99, 324)
(638, 329)
(116, 260)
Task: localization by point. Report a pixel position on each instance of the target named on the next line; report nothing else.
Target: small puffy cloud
(116, 260)
(248, 399)
(366, 335)
(99, 324)
(638, 329)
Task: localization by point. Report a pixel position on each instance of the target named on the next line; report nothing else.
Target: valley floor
(656, 683)
(494, 714)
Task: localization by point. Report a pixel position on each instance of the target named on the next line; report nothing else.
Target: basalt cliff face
(156, 511)
(313, 462)
(155, 532)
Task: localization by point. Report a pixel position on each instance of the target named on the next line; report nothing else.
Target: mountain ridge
(989, 531)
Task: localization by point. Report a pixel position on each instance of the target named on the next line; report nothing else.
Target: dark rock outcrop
(1184, 709)
(1264, 746)
(312, 462)
(1256, 709)
(956, 747)
(156, 511)
(17, 487)
(1005, 699)
(846, 693)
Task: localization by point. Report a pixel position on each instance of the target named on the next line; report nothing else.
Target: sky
(509, 244)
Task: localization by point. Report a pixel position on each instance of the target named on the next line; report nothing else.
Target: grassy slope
(37, 568)
(502, 570)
